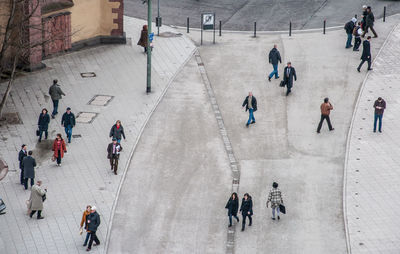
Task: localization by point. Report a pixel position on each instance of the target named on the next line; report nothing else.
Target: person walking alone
(379, 106)
(113, 151)
(366, 54)
(85, 223)
(274, 57)
(275, 198)
(326, 108)
(349, 27)
(43, 124)
(36, 200)
(68, 122)
(143, 38)
(93, 221)
(251, 105)
(56, 95)
(289, 74)
(232, 205)
(369, 21)
(21, 155)
(117, 131)
(59, 148)
(29, 164)
(246, 208)
(357, 31)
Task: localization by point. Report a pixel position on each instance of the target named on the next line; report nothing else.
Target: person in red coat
(59, 149)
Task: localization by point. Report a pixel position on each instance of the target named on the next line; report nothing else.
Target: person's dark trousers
(274, 72)
(59, 157)
(114, 163)
(328, 120)
(251, 116)
(21, 177)
(289, 90)
(357, 43)
(244, 220)
(86, 239)
(45, 134)
(230, 218)
(93, 237)
(39, 213)
(349, 39)
(68, 132)
(376, 118)
(26, 182)
(363, 61)
(55, 108)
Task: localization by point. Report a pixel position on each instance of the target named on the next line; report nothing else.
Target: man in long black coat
(366, 54)
(29, 165)
(289, 74)
(21, 155)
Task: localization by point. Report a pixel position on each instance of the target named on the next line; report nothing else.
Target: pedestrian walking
(251, 105)
(68, 122)
(43, 124)
(117, 131)
(232, 205)
(274, 56)
(143, 38)
(326, 108)
(275, 198)
(113, 151)
(366, 54)
(369, 21)
(38, 195)
(357, 31)
(289, 74)
(29, 164)
(364, 17)
(84, 223)
(379, 106)
(246, 208)
(93, 221)
(56, 95)
(59, 148)
(349, 27)
(21, 155)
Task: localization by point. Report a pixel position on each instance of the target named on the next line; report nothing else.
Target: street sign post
(207, 23)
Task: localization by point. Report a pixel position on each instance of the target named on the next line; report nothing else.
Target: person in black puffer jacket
(232, 205)
(246, 209)
(117, 131)
(43, 124)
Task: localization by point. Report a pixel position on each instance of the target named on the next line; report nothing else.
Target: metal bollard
(355, 15)
(255, 28)
(290, 28)
(324, 25)
(220, 27)
(384, 13)
(187, 25)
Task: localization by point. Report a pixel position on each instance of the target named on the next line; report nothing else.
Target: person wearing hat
(93, 222)
(289, 73)
(21, 155)
(113, 150)
(379, 106)
(56, 95)
(349, 27)
(68, 122)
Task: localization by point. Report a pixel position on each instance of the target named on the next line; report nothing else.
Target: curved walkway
(373, 176)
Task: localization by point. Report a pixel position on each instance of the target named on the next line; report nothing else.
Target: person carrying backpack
(349, 27)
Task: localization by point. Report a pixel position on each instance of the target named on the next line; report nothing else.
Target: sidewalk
(372, 185)
(85, 177)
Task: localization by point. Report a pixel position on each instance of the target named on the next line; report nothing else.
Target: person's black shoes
(332, 129)
(247, 125)
(253, 122)
(380, 131)
(250, 224)
(237, 219)
(318, 132)
(40, 218)
(269, 79)
(230, 225)
(276, 77)
(358, 69)
(370, 69)
(279, 218)
(273, 218)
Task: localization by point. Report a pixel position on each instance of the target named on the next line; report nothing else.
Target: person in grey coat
(29, 165)
(274, 56)
(36, 200)
(56, 95)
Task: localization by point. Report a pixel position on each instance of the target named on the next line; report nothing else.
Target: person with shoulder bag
(275, 198)
(84, 223)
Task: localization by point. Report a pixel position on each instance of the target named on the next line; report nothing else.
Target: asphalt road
(269, 14)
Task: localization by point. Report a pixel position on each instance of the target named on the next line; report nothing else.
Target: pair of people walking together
(246, 209)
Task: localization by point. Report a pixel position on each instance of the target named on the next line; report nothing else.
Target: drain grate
(86, 117)
(88, 74)
(100, 100)
(76, 135)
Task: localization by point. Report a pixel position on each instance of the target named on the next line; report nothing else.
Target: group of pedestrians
(246, 206)
(90, 222)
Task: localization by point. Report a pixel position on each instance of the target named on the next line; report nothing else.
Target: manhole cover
(86, 117)
(100, 100)
(76, 135)
(88, 74)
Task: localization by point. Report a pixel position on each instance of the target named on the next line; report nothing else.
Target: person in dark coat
(369, 21)
(29, 164)
(274, 57)
(289, 74)
(113, 150)
(251, 105)
(43, 124)
(93, 222)
(364, 17)
(21, 155)
(68, 121)
(379, 106)
(143, 38)
(59, 148)
(117, 131)
(56, 95)
(349, 27)
(366, 54)
(246, 208)
(232, 205)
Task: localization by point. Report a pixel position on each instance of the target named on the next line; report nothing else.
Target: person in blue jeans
(379, 106)
(68, 122)
(274, 57)
(349, 27)
(251, 105)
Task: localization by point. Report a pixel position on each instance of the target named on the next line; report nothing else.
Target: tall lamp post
(148, 82)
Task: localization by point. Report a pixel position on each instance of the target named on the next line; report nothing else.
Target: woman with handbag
(84, 222)
(43, 124)
(275, 197)
(59, 149)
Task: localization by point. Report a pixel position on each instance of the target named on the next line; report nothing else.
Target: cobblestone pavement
(85, 177)
(373, 174)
